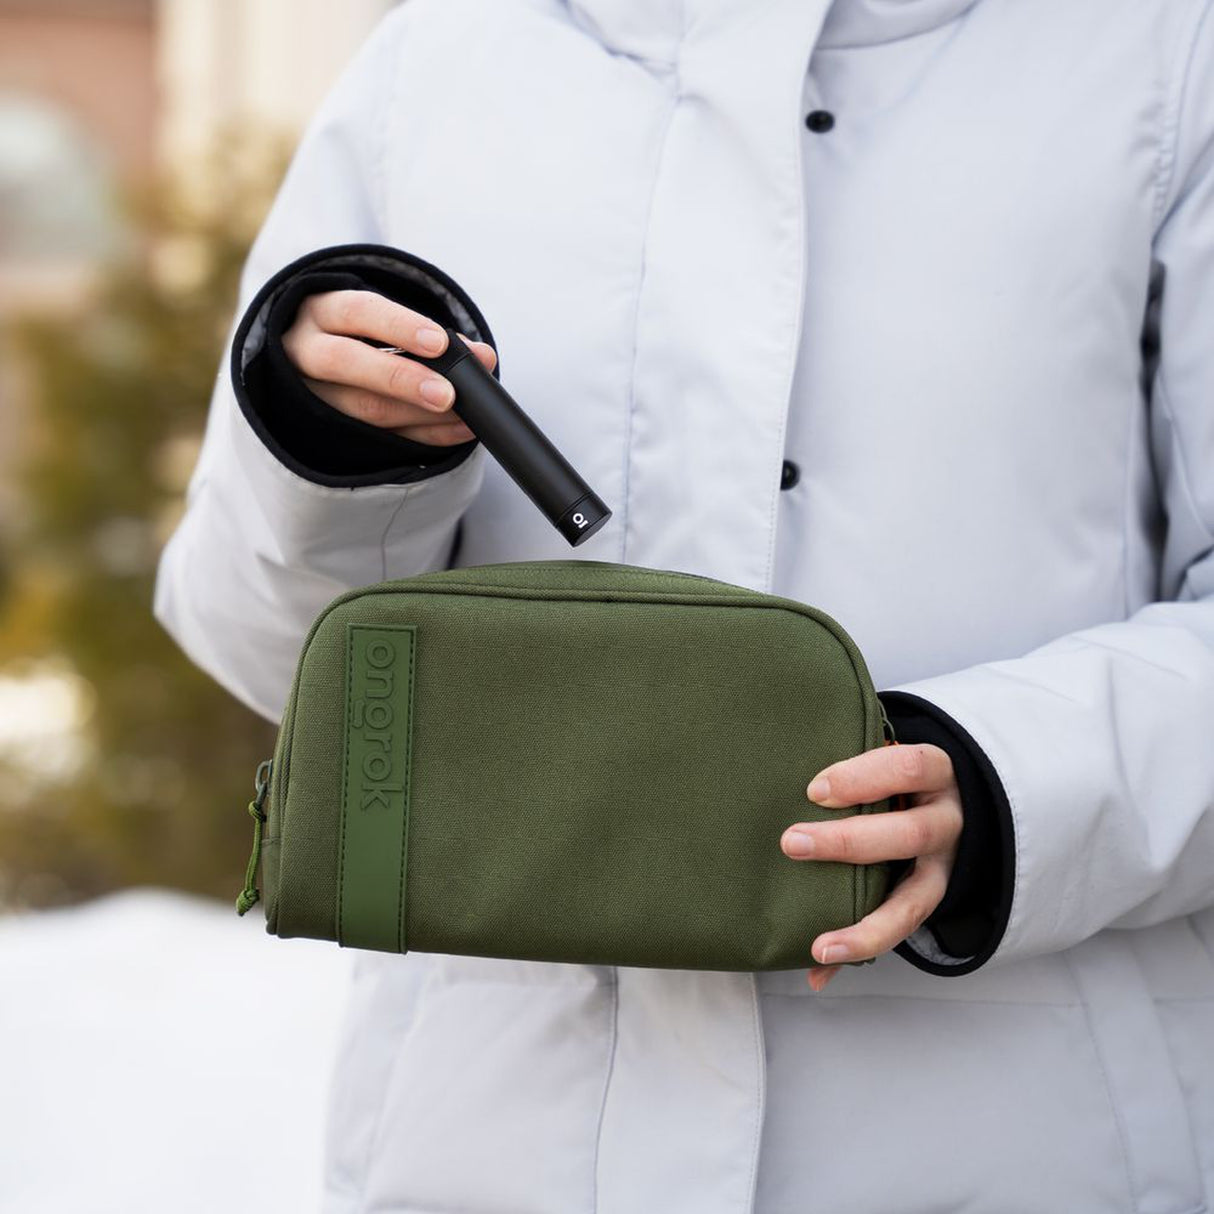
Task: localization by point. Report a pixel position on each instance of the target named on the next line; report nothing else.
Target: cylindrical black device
(518, 444)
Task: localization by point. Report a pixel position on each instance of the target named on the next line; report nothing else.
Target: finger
(439, 434)
(367, 314)
(354, 364)
(900, 834)
(483, 350)
(820, 976)
(899, 916)
(378, 410)
(881, 773)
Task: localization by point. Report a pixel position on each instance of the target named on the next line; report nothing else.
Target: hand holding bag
(564, 761)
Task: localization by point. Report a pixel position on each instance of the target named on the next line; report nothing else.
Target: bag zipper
(886, 728)
(251, 895)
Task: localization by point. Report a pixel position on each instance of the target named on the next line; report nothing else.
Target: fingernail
(433, 340)
(832, 954)
(798, 843)
(819, 789)
(437, 392)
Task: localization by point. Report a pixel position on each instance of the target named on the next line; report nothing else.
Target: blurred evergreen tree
(117, 391)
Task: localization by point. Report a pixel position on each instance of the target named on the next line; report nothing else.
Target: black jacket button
(820, 121)
(789, 474)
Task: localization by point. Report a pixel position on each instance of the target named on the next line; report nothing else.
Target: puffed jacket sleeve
(1103, 740)
(271, 532)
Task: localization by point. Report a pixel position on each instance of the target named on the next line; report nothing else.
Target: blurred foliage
(116, 390)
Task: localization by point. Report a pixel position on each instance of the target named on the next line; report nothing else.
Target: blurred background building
(94, 93)
(140, 144)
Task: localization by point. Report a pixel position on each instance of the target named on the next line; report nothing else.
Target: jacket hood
(653, 29)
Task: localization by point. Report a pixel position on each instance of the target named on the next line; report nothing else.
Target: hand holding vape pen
(517, 443)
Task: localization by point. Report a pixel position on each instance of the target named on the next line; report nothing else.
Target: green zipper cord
(885, 723)
(250, 895)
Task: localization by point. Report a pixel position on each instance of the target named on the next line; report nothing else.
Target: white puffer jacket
(936, 309)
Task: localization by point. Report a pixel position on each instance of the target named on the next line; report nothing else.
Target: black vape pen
(517, 443)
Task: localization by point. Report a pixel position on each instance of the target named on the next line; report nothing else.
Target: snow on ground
(158, 1053)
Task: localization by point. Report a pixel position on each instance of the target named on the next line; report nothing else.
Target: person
(902, 310)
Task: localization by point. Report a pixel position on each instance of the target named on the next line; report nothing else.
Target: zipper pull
(891, 739)
(898, 800)
(250, 895)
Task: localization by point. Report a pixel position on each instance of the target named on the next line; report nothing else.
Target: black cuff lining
(316, 442)
(972, 917)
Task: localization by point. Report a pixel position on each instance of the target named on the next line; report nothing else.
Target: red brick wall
(96, 60)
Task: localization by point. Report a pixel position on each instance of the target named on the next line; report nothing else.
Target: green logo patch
(375, 789)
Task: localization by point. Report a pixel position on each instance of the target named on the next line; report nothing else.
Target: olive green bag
(563, 761)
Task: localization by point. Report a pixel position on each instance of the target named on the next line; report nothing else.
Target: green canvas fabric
(587, 762)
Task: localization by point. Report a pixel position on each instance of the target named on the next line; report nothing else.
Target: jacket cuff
(306, 435)
(965, 929)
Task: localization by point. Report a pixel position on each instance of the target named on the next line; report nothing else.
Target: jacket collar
(654, 29)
